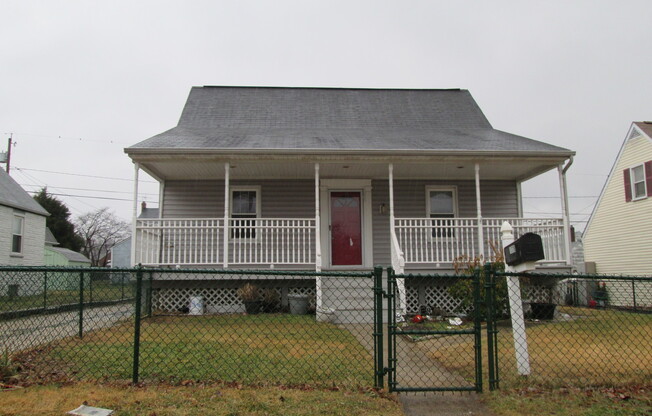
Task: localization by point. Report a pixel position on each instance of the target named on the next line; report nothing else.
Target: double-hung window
(17, 230)
(442, 208)
(245, 207)
(638, 182)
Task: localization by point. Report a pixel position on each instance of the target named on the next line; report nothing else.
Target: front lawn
(266, 349)
(593, 348)
(195, 400)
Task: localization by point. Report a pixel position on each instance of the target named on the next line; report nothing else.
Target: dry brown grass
(194, 400)
(598, 348)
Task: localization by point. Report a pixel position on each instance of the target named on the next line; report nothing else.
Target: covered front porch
(416, 213)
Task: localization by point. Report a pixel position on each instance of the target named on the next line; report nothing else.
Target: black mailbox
(528, 248)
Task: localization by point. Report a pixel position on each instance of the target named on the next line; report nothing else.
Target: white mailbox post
(516, 305)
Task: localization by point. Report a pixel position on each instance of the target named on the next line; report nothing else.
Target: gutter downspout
(565, 208)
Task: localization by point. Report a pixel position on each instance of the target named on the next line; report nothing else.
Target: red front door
(346, 229)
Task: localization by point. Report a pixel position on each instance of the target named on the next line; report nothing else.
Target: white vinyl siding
(618, 240)
(32, 240)
(296, 199)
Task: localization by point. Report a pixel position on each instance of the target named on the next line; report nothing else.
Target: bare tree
(100, 230)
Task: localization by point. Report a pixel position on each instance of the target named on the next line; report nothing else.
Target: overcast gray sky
(81, 80)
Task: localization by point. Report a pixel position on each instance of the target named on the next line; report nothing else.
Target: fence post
(391, 329)
(378, 328)
(45, 290)
(149, 295)
(139, 282)
(90, 288)
(491, 330)
(81, 304)
(634, 294)
(122, 285)
(477, 326)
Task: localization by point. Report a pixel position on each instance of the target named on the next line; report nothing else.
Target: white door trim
(337, 185)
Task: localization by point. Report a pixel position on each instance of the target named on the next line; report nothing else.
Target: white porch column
(391, 196)
(478, 204)
(227, 171)
(564, 211)
(317, 242)
(134, 218)
(516, 310)
(519, 197)
(398, 268)
(318, 263)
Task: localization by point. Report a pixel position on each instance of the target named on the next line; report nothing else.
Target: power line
(88, 189)
(79, 174)
(86, 196)
(77, 139)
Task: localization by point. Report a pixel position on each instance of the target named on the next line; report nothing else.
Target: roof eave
(389, 152)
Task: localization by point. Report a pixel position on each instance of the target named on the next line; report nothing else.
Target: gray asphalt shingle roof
(241, 118)
(12, 195)
(70, 255)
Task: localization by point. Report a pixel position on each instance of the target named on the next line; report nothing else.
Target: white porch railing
(262, 241)
(442, 240)
(272, 241)
(178, 241)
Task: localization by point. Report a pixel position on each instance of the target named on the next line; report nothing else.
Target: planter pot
(298, 304)
(252, 307)
(543, 311)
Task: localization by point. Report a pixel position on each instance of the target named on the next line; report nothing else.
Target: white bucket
(196, 306)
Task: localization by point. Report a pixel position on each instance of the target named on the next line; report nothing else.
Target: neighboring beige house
(619, 233)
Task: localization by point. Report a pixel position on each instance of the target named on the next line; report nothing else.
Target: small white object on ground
(455, 321)
(84, 410)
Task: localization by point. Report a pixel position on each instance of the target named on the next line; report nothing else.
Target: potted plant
(270, 301)
(250, 297)
(601, 295)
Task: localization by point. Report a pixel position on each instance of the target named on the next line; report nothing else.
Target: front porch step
(351, 299)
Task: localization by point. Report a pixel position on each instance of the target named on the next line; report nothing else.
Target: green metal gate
(437, 355)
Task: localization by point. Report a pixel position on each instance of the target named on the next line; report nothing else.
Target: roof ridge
(330, 88)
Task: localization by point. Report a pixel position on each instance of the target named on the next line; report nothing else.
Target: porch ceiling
(300, 168)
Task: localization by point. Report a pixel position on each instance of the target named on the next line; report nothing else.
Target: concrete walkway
(30, 332)
(415, 368)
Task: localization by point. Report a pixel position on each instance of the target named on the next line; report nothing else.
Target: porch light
(383, 209)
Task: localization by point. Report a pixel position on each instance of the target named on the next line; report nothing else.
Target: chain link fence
(562, 330)
(167, 325)
(298, 328)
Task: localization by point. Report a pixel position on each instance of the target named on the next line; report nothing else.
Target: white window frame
(633, 182)
(257, 190)
(453, 190)
(22, 234)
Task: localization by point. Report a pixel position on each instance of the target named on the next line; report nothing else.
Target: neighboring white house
(22, 225)
(618, 235)
(22, 235)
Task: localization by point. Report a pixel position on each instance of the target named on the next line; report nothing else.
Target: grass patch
(264, 349)
(101, 291)
(208, 400)
(594, 348)
(572, 402)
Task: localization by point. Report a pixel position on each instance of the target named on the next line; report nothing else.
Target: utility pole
(11, 136)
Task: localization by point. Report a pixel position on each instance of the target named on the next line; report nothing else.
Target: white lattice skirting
(215, 300)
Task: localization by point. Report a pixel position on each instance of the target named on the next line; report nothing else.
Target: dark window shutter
(628, 186)
(648, 177)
